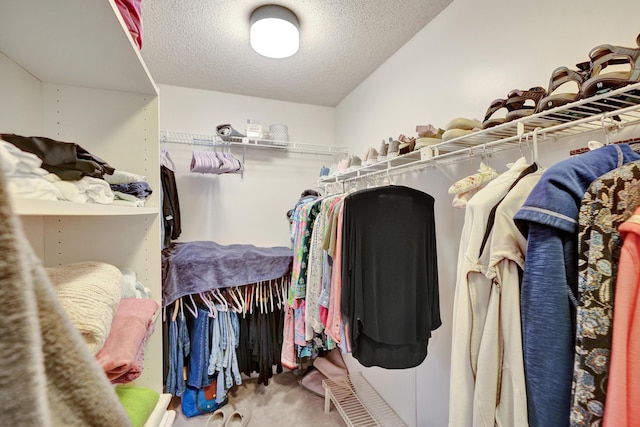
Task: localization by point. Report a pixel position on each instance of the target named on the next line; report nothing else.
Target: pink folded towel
(122, 356)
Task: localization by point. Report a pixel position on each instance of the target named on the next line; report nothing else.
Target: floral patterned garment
(308, 216)
(609, 201)
(300, 237)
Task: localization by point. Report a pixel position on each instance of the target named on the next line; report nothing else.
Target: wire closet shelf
(245, 142)
(608, 111)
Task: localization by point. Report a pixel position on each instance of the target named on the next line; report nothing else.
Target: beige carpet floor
(283, 403)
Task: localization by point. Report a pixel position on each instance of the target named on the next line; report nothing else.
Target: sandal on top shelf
(371, 156)
(605, 56)
(407, 144)
(522, 103)
(561, 76)
(495, 106)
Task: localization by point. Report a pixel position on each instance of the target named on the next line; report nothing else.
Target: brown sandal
(495, 106)
(519, 102)
(559, 77)
(606, 55)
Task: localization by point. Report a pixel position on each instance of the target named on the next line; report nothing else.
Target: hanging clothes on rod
(394, 334)
(171, 225)
(609, 201)
(622, 391)
(215, 292)
(544, 272)
(472, 292)
(316, 319)
(549, 219)
(214, 342)
(500, 369)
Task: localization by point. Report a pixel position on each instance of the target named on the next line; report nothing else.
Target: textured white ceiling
(205, 44)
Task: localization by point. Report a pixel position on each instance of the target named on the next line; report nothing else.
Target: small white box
(254, 130)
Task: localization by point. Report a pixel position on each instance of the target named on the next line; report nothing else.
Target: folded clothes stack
(460, 126)
(428, 135)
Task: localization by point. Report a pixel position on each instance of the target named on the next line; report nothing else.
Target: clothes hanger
(195, 307)
(221, 300)
(250, 297)
(240, 299)
(271, 294)
(197, 161)
(278, 294)
(214, 162)
(520, 141)
(176, 306)
(260, 299)
(221, 163)
(246, 299)
(237, 164)
(285, 288)
(166, 159)
(237, 306)
(535, 145)
(613, 127)
(213, 312)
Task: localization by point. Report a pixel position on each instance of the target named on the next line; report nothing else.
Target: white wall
(251, 209)
(23, 115)
(472, 53)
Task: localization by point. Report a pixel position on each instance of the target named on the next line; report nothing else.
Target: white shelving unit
(608, 111)
(244, 142)
(70, 71)
(23, 206)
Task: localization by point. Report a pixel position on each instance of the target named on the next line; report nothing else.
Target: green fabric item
(138, 402)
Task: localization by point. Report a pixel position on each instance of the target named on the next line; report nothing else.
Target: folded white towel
(90, 293)
(32, 188)
(97, 190)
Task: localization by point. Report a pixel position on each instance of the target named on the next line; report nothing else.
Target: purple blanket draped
(194, 267)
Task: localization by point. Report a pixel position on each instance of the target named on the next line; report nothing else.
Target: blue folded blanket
(194, 267)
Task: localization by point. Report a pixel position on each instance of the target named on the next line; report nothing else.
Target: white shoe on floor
(216, 419)
(238, 418)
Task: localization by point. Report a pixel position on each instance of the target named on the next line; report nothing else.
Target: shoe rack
(608, 111)
(358, 403)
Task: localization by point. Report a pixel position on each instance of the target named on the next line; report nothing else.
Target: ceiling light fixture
(274, 31)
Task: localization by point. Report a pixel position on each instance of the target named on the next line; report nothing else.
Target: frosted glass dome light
(274, 31)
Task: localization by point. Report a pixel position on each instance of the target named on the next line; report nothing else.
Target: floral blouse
(609, 201)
